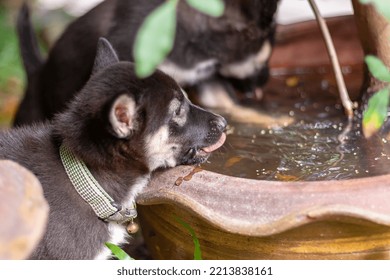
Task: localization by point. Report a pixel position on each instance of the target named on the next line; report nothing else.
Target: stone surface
(23, 211)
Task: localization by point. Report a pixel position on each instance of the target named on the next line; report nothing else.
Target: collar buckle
(123, 215)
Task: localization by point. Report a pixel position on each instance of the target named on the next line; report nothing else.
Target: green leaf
(118, 252)
(382, 6)
(377, 68)
(10, 63)
(197, 250)
(155, 38)
(213, 8)
(376, 112)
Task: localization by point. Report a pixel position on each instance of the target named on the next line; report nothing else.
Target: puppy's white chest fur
(117, 233)
(118, 236)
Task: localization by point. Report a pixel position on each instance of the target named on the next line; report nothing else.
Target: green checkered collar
(91, 191)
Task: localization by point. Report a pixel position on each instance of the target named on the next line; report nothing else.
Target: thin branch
(345, 100)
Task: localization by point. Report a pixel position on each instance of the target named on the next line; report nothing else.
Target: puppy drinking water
(94, 158)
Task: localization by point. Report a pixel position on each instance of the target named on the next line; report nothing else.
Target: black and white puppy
(122, 128)
(229, 53)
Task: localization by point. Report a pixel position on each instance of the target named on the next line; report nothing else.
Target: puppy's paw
(218, 96)
(214, 94)
(242, 114)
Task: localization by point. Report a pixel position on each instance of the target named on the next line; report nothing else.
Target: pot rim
(262, 208)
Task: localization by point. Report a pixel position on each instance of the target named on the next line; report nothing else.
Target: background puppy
(230, 52)
(122, 128)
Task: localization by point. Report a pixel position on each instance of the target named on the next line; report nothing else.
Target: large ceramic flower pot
(236, 218)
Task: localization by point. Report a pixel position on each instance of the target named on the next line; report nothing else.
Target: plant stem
(345, 100)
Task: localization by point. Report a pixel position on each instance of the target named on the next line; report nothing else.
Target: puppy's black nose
(219, 123)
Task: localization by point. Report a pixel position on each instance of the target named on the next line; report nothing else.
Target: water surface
(313, 146)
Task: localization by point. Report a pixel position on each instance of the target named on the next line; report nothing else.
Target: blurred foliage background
(49, 19)
(11, 70)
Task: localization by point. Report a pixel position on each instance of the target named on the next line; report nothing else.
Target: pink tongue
(215, 146)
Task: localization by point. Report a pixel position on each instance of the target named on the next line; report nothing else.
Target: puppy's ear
(122, 116)
(105, 56)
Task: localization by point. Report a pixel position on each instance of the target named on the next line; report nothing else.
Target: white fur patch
(190, 76)
(140, 184)
(118, 234)
(160, 153)
(247, 67)
(174, 105)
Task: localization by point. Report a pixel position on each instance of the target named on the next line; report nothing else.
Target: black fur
(239, 33)
(74, 231)
(31, 107)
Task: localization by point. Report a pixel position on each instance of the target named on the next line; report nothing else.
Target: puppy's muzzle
(216, 137)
